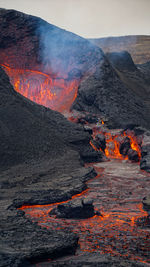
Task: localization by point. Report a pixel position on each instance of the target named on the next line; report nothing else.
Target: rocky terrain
(133, 76)
(28, 42)
(136, 45)
(42, 153)
(108, 90)
(121, 229)
(40, 163)
(95, 260)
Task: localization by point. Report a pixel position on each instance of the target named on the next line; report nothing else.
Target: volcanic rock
(39, 46)
(80, 209)
(28, 42)
(45, 63)
(91, 155)
(96, 260)
(145, 162)
(145, 69)
(99, 142)
(146, 204)
(33, 132)
(91, 118)
(40, 164)
(23, 241)
(121, 61)
(124, 145)
(104, 93)
(131, 75)
(133, 155)
(145, 152)
(88, 129)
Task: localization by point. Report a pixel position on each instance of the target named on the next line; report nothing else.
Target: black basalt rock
(76, 209)
(124, 145)
(91, 155)
(133, 155)
(100, 141)
(145, 153)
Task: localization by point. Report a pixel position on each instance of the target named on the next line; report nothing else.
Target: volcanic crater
(75, 150)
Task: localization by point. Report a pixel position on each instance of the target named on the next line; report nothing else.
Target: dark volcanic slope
(28, 42)
(135, 77)
(121, 61)
(137, 45)
(29, 131)
(46, 146)
(104, 92)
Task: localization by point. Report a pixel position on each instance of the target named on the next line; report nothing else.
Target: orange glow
(112, 147)
(52, 204)
(134, 144)
(116, 231)
(112, 144)
(94, 147)
(55, 93)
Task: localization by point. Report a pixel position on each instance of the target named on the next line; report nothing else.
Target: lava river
(117, 192)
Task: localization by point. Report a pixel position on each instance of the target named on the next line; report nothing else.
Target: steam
(63, 53)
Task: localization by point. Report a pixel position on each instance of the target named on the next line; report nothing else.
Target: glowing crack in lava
(55, 93)
(117, 192)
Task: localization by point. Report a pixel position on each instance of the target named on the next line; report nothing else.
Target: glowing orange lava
(57, 94)
(112, 147)
(115, 231)
(134, 144)
(58, 203)
(113, 143)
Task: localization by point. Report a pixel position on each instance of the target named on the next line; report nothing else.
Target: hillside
(47, 65)
(135, 77)
(137, 45)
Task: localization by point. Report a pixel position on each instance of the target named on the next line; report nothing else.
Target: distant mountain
(137, 45)
(135, 77)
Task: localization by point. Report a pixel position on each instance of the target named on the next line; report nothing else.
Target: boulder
(133, 155)
(100, 142)
(145, 163)
(124, 145)
(91, 155)
(75, 209)
(146, 204)
(88, 129)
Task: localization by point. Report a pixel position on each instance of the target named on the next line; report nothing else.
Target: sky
(90, 18)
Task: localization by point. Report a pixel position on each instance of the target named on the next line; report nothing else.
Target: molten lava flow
(113, 143)
(116, 231)
(57, 94)
(58, 203)
(134, 143)
(112, 147)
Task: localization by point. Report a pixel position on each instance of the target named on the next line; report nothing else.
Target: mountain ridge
(136, 45)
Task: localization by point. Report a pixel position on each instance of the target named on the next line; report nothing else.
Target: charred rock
(74, 209)
(133, 155)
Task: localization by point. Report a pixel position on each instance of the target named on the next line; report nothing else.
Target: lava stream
(116, 231)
